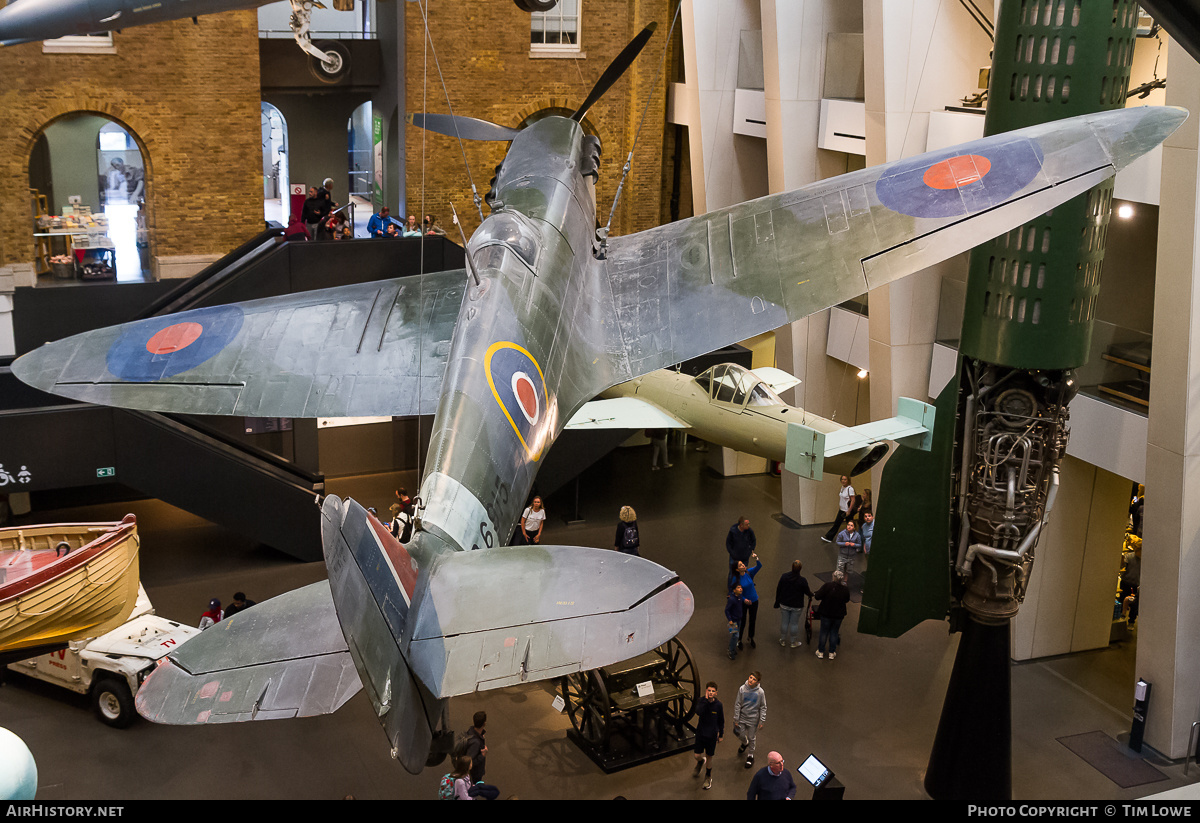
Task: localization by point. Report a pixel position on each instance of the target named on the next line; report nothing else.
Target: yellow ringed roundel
(517, 383)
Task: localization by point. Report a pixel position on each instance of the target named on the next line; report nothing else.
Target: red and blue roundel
(517, 384)
(959, 181)
(166, 346)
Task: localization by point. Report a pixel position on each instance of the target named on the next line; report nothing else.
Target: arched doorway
(276, 202)
(90, 175)
(363, 139)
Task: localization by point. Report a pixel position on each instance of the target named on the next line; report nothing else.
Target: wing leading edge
(686, 288)
(370, 349)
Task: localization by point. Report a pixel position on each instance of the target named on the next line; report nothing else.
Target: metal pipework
(1013, 440)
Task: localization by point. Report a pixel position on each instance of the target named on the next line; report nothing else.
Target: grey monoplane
(548, 316)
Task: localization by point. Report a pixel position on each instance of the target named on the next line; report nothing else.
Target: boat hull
(47, 599)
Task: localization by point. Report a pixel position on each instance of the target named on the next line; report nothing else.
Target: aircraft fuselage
(28, 20)
(526, 352)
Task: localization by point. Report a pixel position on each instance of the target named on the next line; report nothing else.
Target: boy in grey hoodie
(749, 715)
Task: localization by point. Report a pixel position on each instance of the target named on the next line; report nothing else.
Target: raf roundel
(517, 384)
(164, 347)
(960, 181)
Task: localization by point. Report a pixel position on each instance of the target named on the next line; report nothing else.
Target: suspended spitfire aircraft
(738, 407)
(25, 21)
(551, 314)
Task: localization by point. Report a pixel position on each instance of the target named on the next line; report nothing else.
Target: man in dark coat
(789, 599)
(772, 781)
(710, 730)
(740, 542)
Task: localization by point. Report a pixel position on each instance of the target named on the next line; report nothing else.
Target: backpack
(630, 539)
(446, 787)
(402, 527)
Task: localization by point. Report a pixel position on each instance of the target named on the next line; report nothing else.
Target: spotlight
(862, 373)
(1124, 211)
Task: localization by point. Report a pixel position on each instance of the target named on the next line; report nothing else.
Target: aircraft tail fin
(283, 658)
(423, 622)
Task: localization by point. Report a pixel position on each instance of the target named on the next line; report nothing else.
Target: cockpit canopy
(505, 231)
(731, 383)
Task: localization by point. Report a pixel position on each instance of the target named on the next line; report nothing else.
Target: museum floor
(870, 715)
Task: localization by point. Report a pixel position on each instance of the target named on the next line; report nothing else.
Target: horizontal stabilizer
(285, 657)
(504, 616)
(623, 413)
(915, 421)
(808, 448)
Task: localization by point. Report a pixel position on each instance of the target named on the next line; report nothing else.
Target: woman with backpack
(627, 539)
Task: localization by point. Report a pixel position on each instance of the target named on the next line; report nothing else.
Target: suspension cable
(629, 160)
(421, 4)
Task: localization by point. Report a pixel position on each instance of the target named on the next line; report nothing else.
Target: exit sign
(109, 471)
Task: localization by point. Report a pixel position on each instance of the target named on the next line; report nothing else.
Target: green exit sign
(106, 472)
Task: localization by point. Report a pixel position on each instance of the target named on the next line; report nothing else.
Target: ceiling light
(1124, 211)
(862, 373)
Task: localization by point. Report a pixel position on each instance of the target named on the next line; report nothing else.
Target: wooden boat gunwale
(119, 532)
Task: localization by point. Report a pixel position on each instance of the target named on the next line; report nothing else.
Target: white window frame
(557, 49)
(100, 43)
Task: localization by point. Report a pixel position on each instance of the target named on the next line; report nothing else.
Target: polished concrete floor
(870, 715)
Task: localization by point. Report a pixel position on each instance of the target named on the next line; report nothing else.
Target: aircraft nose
(22, 21)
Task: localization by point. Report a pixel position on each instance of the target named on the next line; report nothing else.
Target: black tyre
(536, 5)
(113, 703)
(336, 67)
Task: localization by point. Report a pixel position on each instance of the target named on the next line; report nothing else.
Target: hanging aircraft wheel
(588, 706)
(336, 65)
(680, 671)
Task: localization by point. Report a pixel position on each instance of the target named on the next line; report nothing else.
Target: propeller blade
(615, 69)
(468, 128)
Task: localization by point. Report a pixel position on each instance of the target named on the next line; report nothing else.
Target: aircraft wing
(623, 413)
(285, 657)
(369, 349)
(686, 288)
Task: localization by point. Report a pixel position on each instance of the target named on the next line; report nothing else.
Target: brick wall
(483, 48)
(190, 95)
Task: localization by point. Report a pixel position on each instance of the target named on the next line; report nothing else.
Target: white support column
(795, 34)
(921, 55)
(1168, 651)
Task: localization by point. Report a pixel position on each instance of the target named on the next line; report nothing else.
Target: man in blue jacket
(377, 225)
